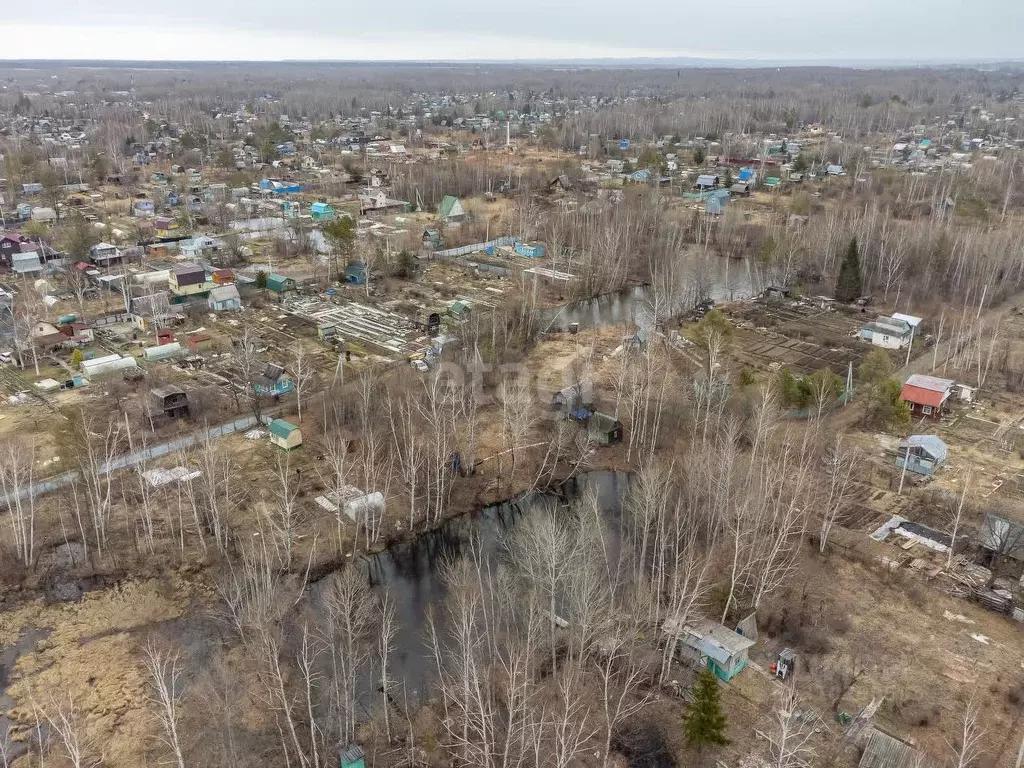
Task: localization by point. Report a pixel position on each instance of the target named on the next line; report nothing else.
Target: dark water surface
(412, 571)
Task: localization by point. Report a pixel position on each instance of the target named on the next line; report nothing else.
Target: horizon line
(696, 62)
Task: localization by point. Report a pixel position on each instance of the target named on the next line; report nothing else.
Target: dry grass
(924, 664)
(92, 654)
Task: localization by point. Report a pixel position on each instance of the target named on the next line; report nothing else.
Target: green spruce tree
(848, 285)
(705, 721)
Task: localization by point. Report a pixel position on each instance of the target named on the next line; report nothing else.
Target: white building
(888, 332)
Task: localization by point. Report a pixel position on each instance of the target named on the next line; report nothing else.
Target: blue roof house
(143, 208)
(640, 177)
(745, 175)
(922, 454)
(277, 187)
(321, 212)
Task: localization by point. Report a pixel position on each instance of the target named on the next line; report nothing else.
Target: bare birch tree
(790, 738)
(965, 748)
(840, 465)
(17, 468)
(165, 678)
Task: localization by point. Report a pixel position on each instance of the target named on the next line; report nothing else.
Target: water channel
(729, 280)
(412, 571)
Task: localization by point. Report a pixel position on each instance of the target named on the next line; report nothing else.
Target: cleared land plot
(803, 338)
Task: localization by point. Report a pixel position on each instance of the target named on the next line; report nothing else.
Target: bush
(885, 409)
(804, 392)
(792, 630)
(1015, 694)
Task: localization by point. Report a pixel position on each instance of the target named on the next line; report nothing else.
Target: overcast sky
(913, 30)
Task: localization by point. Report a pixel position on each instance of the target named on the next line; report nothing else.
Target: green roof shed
(280, 283)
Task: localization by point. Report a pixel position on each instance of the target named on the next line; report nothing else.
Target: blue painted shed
(529, 251)
(922, 454)
(746, 174)
(717, 201)
(355, 273)
(321, 211)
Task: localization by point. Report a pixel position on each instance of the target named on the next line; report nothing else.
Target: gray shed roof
(931, 383)
(224, 293)
(350, 754)
(931, 443)
(883, 751)
(1004, 536)
(187, 269)
(602, 422)
(167, 391)
(713, 640)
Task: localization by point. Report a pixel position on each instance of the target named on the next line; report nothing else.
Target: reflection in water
(412, 570)
(706, 277)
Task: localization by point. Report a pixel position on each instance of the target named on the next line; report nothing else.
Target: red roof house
(927, 395)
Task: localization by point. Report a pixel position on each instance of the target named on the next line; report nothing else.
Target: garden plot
(800, 337)
(385, 332)
(767, 350)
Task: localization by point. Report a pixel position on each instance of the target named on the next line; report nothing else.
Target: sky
(451, 30)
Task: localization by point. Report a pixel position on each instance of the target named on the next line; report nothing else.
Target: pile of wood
(998, 600)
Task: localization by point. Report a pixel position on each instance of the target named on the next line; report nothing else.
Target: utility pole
(910, 346)
(903, 474)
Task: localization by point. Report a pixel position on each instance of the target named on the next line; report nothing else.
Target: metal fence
(475, 248)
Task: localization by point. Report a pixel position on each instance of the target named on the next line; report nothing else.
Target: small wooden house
(273, 382)
(884, 751)
(200, 341)
(451, 209)
(356, 273)
(710, 644)
(568, 399)
(431, 239)
(321, 212)
(927, 395)
(171, 401)
(460, 309)
(284, 434)
(922, 454)
(604, 429)
(224, 298)
(280, 283)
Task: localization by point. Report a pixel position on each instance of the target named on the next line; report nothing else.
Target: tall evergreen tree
(848, 286)
(705, 721)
